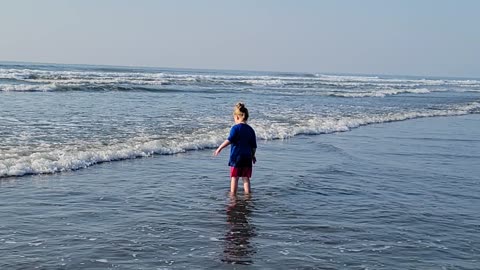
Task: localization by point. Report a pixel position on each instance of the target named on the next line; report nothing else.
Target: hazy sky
(404, 37)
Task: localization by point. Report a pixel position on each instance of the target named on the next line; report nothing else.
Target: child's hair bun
(240, 109)
(240, 105)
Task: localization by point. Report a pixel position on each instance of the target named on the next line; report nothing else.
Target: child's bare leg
(246, 185)
(233, 185)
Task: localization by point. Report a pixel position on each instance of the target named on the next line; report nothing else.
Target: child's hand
(254, 159)
(219, 149)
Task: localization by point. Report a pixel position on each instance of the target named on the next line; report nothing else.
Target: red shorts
(241, 172)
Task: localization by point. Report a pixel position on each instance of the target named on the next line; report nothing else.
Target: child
(242, 152)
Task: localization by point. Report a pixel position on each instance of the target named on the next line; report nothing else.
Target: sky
(396, 37)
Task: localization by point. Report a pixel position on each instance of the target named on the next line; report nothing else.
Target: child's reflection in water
(238, 238)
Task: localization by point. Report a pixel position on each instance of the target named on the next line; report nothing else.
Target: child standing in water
(242, 152)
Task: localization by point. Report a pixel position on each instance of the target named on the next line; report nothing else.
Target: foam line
(51, 159)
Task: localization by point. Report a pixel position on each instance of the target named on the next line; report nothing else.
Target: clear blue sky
(411, 37)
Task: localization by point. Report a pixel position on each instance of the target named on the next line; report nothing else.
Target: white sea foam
(54, 158)
(349, 94)
(381, 93)
(27, 87)
(322, 125)
(53, 78)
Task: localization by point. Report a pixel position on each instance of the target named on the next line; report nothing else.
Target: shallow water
(111, 168)
(401, 195)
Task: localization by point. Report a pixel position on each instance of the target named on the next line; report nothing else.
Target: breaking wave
(12, 79)
(52, 158)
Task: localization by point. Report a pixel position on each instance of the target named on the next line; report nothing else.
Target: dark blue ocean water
(370, 172)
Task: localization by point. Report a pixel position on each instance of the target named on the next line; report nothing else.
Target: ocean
(111, 168)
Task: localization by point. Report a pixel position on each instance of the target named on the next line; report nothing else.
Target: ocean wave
(381, 93)
(27, 87)
(323, 125)
(165, 86)
(74, 78)
(46, 159)
(347, 94)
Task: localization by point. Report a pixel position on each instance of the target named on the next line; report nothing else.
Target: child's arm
(254, 159)
(219, 149)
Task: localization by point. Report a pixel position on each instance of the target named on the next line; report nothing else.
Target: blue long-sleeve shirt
(242, 142)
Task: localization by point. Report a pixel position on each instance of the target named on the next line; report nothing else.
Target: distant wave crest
(379, 93)
(12, 79)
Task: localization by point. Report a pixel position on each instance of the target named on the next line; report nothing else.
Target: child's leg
(233, 185)
(246, 185)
